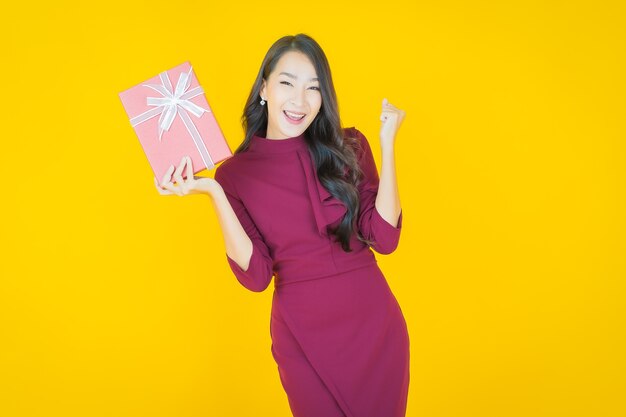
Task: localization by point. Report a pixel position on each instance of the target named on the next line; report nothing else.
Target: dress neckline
(259, 143)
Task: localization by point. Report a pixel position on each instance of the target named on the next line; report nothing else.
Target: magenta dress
(338, 334)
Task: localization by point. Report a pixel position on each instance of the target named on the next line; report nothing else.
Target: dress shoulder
(223, 174)
(355, 138)
(230, 169)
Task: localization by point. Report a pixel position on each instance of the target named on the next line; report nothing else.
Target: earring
(262, 101)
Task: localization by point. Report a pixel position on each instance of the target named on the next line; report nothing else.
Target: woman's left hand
(391, 118)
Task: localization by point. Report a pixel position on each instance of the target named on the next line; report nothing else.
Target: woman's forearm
(237, 242)
(388, 198)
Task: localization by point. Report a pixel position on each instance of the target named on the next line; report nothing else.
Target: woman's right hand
(189, 185)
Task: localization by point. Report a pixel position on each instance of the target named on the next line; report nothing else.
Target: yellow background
(116, 301)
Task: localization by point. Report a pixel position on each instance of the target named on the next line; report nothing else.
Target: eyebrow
(295, 78)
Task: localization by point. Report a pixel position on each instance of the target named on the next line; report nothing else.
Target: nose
(298, 97)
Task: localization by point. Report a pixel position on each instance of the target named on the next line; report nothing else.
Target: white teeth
(294, 116)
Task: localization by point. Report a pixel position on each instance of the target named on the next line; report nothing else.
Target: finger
(388, 114)
(174, 189)
(164, 192)
(390, 107)
(189, 168)
(168, 175)
(169, 187)
(179, 170)
(159, 188)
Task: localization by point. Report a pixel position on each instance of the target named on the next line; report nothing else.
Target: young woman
(301, 200)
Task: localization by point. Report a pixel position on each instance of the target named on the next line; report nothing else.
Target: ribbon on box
(176, 102)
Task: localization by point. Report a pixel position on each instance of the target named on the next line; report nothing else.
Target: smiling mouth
(294, 116)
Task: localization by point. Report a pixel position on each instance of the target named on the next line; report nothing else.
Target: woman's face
(291, 90)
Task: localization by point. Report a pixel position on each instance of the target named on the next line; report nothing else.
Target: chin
(295, 130)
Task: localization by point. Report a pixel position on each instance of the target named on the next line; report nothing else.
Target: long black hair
(334, 155)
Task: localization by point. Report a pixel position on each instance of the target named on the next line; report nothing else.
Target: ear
(262, 92)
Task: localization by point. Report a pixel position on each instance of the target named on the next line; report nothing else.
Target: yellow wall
(116, 301)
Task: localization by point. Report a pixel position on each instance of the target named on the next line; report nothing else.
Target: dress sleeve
(370, 223)
(259, 273)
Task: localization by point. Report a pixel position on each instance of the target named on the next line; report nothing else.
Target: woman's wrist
(388, 149)
(209, 186)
